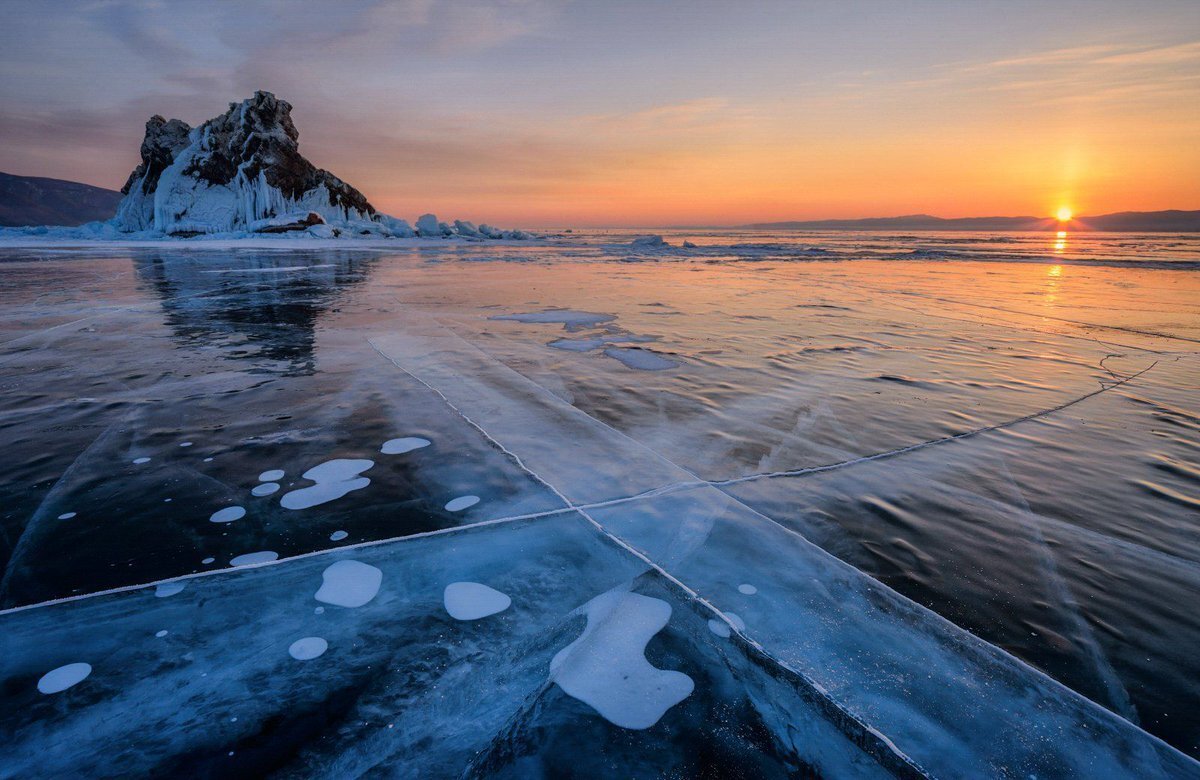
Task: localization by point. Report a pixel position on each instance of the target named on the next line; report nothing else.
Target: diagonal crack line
(932, 442)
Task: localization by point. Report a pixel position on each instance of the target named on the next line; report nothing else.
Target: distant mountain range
(33, 200)
(1173, 221)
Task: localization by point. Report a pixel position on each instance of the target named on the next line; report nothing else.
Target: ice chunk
(606, 667)
(401, 446)
(274, 475)
(472, 601)
(162, 590)
(461, 503)
(308, 648)
(227, 515)
(334, 478)
(265, 489)
(349, 583)
(640, 359)
(63, 677)
(428, 226)
(264, 556)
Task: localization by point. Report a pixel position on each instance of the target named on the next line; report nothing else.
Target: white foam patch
(334, 478)
(606, 667)
(161, 634)
(265, 489)
(472, 601)
(640, 359)
(274, 475)
(401, 446)
(749, 590)
(308, 648)
(140, 461)
(254, 557)
(572, 320)
(349, 584)
(66, 515)
(58, 680)
(461, 503)
(227, 515)
(338, 536)
(165, 589)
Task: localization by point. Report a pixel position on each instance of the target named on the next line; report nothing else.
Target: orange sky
(542, 113)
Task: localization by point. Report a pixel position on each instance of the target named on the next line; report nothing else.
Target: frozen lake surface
(843, 505)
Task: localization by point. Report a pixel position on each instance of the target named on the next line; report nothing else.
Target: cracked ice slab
(579, 456)
(955, 705)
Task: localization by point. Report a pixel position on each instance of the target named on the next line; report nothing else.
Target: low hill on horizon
(36, 200)
(1170, 221)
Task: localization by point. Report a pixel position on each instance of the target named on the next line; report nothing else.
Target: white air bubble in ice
(66, 515)
(140, 461)
(606, 667)
(401, 446)
(185, 444)
(227, 515)
(349, 584)
(264, 556)
(472, 601)
(338, 536)
(334, 478)
(165, 589)
(749, 590)
(207, 561)
(63, 677)
(461, 503)
(161, 634)
(265, 489)
(308, 648)
(274, 475)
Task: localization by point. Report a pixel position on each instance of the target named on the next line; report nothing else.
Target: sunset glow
(548, 114)
(1063, 214)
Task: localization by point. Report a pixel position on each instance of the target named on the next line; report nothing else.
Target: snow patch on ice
(308, 648)
(401, 446)
(227, 515)
(265, 556)
(58, 680)
(606, 667)
(349, 584)
(334, 478)
(461, 503)
(472, 600)
(640, 359)
(568, 318)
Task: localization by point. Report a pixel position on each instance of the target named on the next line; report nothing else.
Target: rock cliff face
(241, 171)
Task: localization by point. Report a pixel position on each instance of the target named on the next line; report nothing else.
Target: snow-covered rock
(231, 173)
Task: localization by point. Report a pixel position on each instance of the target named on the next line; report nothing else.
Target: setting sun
(1064, 214)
